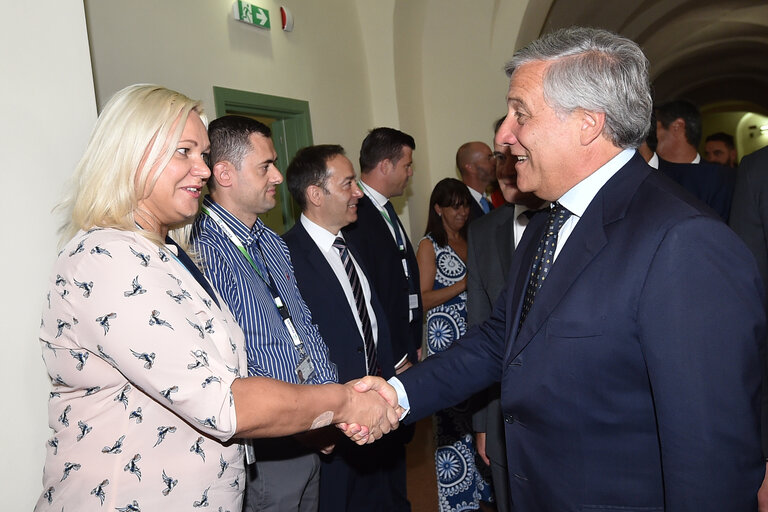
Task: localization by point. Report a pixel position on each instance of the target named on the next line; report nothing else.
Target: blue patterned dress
(460, 486)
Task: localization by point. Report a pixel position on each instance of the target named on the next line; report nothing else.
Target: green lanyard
(235, 240)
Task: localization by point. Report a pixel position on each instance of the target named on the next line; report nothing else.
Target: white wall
(430, 68)
(47, 101)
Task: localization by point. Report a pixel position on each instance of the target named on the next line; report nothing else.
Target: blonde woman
(146, 362)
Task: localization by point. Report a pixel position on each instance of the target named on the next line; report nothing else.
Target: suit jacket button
(359, 350)
(508, 418)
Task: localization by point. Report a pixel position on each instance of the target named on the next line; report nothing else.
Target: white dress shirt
(324, 240)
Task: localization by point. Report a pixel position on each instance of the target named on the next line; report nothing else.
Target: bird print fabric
(141, 363)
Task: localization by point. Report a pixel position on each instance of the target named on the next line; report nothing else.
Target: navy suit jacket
(634, 380)
(352, 477)
(711, 183)
(330, 310)
(381, 257)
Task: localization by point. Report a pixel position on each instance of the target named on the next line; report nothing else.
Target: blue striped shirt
(271, 352)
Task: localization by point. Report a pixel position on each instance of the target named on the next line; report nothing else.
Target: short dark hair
(383, 144)
(449, 192)
(229, 138)
(722, 137)
(666, 114)
(309, 167)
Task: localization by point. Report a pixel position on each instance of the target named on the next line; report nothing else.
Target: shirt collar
(697, 160)
(475, 194)
(654, 161)
(245, 234)
(375, 195)
(577, 199)
(321, 236)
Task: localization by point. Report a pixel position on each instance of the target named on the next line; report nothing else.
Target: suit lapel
(583, 245)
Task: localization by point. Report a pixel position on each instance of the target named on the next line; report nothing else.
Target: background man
(476, 166)
(749, 218)
(678, 130)
(249, 266)
(350, 318)
(492, 240)
(627, 339)
(386, 160)
(720, 149)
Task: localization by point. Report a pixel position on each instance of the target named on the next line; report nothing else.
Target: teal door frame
(291, 130)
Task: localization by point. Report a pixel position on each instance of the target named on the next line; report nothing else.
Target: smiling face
(454, 217)
(338, 206)
(542, 142)
(174, 197)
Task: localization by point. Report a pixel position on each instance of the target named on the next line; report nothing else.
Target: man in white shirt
(336, 288)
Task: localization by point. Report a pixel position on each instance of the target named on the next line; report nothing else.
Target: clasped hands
(371, 411)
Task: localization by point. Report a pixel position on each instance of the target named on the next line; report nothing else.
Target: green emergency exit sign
(252, 14)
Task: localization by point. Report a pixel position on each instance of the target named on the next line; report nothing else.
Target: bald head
(476, 165)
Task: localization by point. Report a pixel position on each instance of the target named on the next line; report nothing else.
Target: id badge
(305, 369)
(413, 301)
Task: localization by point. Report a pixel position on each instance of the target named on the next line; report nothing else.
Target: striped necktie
(362, 311)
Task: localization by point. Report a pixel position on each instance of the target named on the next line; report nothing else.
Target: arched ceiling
(710, 52)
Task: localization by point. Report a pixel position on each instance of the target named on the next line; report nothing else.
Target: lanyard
(395, 228)
(284, 313)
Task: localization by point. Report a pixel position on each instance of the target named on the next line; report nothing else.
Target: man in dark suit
(627, 340)
(322, 182)
(491, 242)
(678, 132)
(749, 218)
(386, 160)
(476, 165)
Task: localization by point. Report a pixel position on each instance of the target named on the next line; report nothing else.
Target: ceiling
(711, 52)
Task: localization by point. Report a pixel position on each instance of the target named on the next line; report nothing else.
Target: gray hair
(595, 70)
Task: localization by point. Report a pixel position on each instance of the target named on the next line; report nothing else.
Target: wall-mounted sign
(251, 14)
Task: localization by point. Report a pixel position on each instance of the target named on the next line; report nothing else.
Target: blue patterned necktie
(545, 257)
(362, 310)
(485, 204)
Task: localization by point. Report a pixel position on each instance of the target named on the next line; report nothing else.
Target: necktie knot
(340, 244)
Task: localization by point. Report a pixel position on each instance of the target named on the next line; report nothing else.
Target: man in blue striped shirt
(249, 266)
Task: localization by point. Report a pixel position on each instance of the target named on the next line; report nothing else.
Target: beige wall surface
(430, 68)
(47, 100)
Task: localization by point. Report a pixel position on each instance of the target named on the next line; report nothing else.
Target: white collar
(321, 236)
(378, 199)
(475, 194)
(577, 199)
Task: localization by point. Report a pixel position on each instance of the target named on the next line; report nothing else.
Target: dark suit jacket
(475, 210)
(749, 218)
(381, 257)
(490, 245)
(353, 477)
(634, 380)
(711, 183)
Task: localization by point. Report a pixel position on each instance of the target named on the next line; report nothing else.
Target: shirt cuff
(402, 396)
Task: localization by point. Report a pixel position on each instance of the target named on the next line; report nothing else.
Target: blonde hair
(131, 137)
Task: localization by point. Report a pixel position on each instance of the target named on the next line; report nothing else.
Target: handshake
(371, 410)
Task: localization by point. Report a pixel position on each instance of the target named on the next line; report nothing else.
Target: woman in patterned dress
(147, 364)
(441, 255)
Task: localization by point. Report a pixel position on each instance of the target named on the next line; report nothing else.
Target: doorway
(291, 130)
